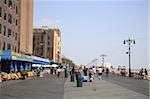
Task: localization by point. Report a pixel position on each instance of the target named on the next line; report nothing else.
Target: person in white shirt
(94, 70)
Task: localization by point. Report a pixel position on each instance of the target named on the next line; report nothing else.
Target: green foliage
(37, 71)
(24, 72)
(67, 61)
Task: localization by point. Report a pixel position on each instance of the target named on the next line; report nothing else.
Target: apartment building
(47, 43)
(16, 18)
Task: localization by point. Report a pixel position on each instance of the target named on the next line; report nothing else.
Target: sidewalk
(99, 89)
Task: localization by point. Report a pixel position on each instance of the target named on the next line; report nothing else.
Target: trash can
(72, 77)
(79, 81)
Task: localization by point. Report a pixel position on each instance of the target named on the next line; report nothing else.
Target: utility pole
(103, 59)
(129, 42)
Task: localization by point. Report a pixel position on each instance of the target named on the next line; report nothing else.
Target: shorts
(99, 74)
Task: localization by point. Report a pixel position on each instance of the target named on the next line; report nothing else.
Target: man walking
(107, 72)
(58, 72)
(100, 71)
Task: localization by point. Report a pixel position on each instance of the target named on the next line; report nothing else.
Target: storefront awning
(9, 55)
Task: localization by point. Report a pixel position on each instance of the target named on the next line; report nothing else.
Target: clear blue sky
(91, 28)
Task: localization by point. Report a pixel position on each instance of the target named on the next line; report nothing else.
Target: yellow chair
(9, 76)
(18, 74)
(12, 76)
(30, 74)
(15, 76)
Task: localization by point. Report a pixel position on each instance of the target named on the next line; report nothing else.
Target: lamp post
(129, 42)
(103, 58)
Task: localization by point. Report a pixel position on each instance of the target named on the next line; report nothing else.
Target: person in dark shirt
(146, 74)
(107, 72)
(85, 71)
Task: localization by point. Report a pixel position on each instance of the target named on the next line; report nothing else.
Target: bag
(85, 78)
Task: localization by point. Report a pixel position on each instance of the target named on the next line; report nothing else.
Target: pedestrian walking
(85, 71)
(76, 74)
(100, 71)
(146, 74)
(141, 73)
(66, 74)
(91, 75)
(72, 70)
(55, 69)
(94, 70)
(107, 72)
(58, 72)
(41, 72)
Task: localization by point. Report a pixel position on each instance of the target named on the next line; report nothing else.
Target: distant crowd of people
(40, 71)
(89, 74)
(142, 74)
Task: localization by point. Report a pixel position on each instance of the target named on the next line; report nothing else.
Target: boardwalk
(50, 87)
(107, 89)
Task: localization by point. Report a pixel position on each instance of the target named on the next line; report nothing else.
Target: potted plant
(24, 74)
(38, 72)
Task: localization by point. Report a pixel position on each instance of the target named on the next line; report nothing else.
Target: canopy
(54, 65)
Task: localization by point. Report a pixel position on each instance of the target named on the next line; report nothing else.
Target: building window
(0, 45)
(8, 46)
(4, 46)
(9, 18)
(4, 30)
(42, 37)
(0, 11)
(0, 28)
(37, 48)
(13, 47)
(48, 49)
(5, 15)
(16, 10)
(14, 6)
(16, 36)
(48, 37)
(13, 34)
(16, 22)
(9, 32)
(5, 1)
(10, 3)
